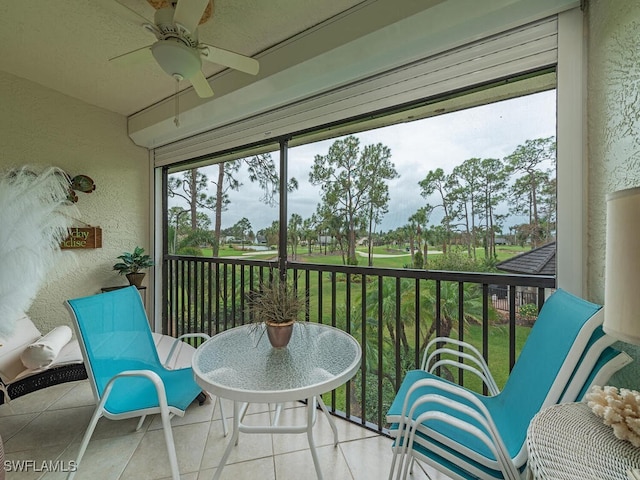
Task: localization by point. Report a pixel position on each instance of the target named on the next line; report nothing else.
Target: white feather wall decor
(35, 215)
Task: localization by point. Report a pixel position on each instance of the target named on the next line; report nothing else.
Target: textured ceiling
(66, 45)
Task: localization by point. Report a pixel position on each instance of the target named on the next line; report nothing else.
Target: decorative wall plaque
(83, 237)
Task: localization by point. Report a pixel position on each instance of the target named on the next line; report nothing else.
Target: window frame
(571, 165)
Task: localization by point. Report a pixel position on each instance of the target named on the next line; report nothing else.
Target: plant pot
(279, 334)
(135, 279)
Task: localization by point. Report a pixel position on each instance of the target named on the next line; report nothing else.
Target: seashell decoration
(619, 409)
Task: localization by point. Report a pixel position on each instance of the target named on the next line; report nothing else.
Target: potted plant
(277, 305)
(132, 264)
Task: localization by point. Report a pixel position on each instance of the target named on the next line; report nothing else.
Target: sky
(488, 131)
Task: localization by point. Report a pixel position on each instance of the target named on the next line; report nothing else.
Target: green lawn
(383, 256)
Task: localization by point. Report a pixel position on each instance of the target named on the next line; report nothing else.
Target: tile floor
(45, 429)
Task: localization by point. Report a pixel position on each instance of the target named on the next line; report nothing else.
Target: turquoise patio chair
(125, 372)
(609, 362)
(468, 435)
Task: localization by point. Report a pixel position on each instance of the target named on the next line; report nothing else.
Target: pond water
(257, 248)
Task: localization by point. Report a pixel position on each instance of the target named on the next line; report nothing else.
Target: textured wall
(613, 132)
(41, 126)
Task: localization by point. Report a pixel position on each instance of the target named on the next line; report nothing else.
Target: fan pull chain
(176, 119)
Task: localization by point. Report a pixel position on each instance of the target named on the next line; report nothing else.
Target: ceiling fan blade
(189, 13)
(201, 85)
(229, 59)
(136, 56)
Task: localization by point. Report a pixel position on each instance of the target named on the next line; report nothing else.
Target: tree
(527, 159)
(294, 227)
(272, 233)
(418, 260)
(178, 218)
(350, 189)
(409, 233)
(192, 188)
(180, 225)
(382, 304)
(439, 235)
(492, 184)
(191, 243)
(241, 228)
(524, 202)
(421, 219)
(334, 228)
(261, 169)
(328, 227)
(449, 309)
(377, 194)
(437, 181)
(465, 181)
(226, 181)
(548, 207)
(309, 231)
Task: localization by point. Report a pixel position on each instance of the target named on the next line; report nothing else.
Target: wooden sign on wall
(83, 237)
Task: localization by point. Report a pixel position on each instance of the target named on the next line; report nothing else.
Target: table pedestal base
(240, 409)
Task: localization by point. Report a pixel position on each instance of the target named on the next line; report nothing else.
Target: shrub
(418, 260)
(529, 312)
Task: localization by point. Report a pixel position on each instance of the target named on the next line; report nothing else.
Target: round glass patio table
(240, 365)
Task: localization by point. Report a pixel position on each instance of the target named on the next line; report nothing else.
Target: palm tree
(406, 296)
(421, 217)
(449, 320)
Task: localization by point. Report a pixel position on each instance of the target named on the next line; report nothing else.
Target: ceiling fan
(177, 49)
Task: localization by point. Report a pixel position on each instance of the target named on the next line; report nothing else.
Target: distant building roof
(539, 261)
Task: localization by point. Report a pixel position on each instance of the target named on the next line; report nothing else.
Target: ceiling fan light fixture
(175, 58)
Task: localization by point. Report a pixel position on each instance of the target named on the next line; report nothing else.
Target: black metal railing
(393, 313)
